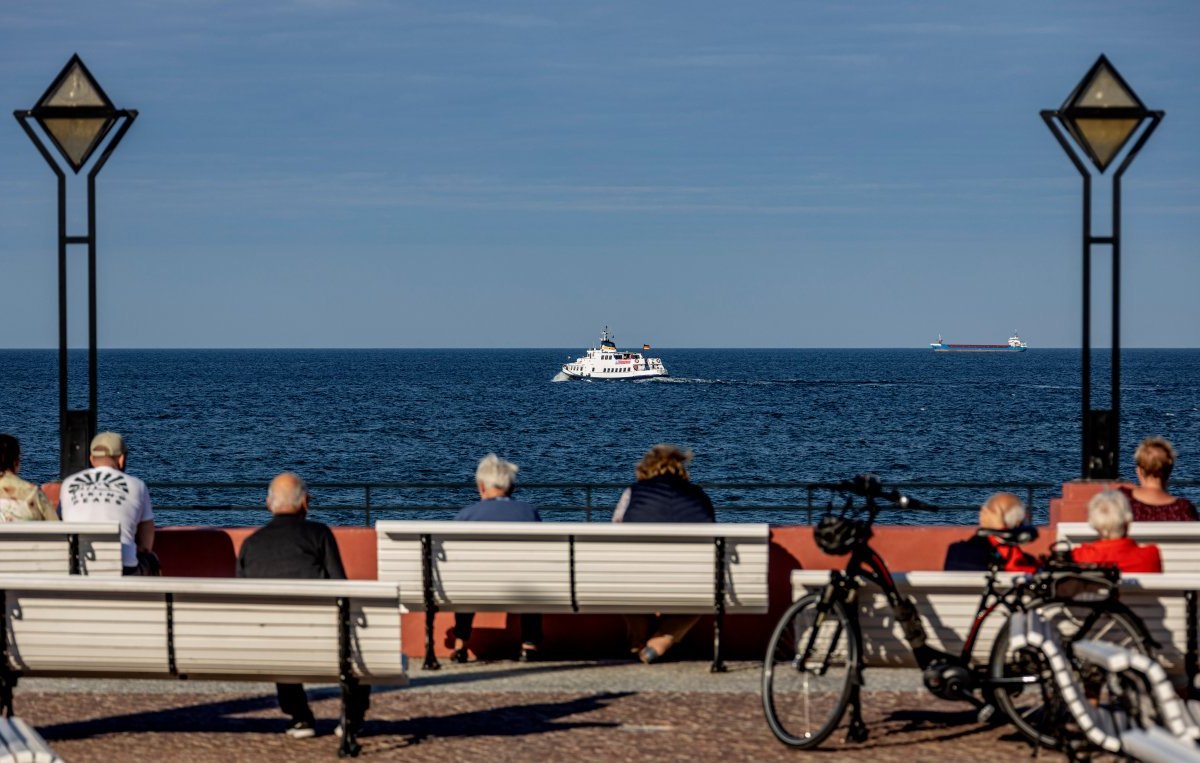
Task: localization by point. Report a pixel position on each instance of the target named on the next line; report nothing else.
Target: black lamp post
(76, 116)
(1101, 114)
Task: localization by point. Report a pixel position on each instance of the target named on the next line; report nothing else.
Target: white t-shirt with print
(105, 494)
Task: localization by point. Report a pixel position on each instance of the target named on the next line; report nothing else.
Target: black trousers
(294, 703)
(531, 627)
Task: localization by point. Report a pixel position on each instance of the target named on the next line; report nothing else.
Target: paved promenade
(503, 711)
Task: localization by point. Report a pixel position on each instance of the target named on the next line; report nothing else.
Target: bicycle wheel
(809, 671)
(1025, 704)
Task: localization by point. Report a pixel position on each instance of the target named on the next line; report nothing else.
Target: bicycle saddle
(1014, 536)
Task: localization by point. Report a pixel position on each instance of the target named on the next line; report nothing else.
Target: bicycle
(813, 670)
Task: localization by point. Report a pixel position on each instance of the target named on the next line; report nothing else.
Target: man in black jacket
(291, 546)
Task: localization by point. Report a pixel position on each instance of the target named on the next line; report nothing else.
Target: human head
(1155, 457)
(1109, 514)
(10, 453)
(108, 449)
(663, 459)
(1003, 511)
(495, 476)
(287, 494)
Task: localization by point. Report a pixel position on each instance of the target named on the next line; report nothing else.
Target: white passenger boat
(607, 362)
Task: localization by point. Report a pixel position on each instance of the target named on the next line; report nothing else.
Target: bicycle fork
(857, 730)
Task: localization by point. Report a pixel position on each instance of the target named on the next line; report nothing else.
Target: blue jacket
(667, 498)
(499, 510)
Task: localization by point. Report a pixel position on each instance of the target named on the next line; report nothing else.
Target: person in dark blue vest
(496, 480)
(663, 493)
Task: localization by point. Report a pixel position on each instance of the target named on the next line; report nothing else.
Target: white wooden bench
(20, 743)
(553, 567)
(288, 631)
(946, 602)
(47, 548)
(1167, 603)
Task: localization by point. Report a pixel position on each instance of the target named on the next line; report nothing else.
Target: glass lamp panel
(77, 89)
(76, 137)
(1105, 91)
(1105, 136)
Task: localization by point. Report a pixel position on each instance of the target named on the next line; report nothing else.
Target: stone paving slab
(503, 712)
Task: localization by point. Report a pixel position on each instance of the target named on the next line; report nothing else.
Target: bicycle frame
(867, 564)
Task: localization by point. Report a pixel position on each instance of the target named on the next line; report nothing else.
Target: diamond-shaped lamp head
(1102, 113)
(75, 113)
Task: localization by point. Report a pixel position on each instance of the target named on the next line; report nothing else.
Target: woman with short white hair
(1109, 515)
(496, 479)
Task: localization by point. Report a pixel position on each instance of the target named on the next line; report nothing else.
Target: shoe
(459, 656)
(339, 732)
(649, 655)
(528, 654)
(301, 730)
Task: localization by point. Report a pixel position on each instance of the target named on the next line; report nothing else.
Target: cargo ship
(1014, 345)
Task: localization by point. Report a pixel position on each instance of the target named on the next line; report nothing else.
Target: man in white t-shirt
(105, 493)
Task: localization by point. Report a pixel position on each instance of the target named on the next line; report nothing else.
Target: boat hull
(998, 348)
(632, 376)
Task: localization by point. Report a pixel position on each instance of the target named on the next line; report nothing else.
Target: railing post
(589, 503)
(367, 505)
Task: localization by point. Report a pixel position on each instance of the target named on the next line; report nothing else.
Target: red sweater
(1124, 553)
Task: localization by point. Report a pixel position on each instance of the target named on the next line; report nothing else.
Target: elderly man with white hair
(1109, 515)
(292, 546)
(1002, 511)
(496, 479)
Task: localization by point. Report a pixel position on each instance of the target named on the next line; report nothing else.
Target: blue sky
(360, 173)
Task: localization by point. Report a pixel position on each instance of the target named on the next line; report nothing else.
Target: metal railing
(591, 500)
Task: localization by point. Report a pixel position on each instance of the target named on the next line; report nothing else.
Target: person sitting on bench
(292, 546)
(496, 480)
(1003, 511)
(1109, 515)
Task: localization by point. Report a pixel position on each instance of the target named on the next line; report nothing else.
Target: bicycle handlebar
(869, 486)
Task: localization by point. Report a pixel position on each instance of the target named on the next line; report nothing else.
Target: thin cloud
(502, 20)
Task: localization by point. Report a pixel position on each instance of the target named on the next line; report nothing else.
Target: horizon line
(574, 348)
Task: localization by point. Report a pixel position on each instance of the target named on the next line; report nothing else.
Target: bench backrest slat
(42, 548)
(527, 567)
(267, 630)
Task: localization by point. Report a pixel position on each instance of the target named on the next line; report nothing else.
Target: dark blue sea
(750, 416)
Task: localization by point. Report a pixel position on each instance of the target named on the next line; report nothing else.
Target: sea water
(750, 416)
